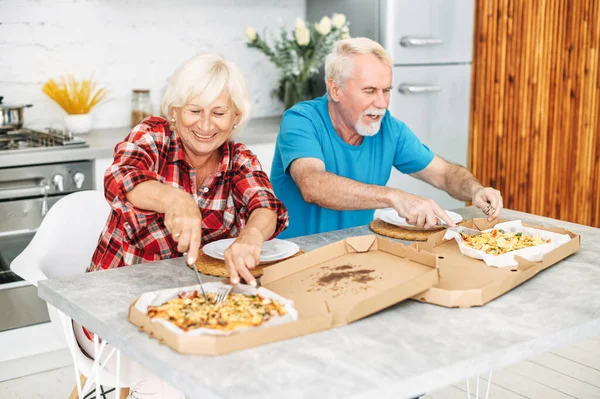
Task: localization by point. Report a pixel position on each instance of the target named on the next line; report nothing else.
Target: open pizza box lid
(467, 282)
(331, 286)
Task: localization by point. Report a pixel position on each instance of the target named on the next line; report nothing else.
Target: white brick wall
(129, 44)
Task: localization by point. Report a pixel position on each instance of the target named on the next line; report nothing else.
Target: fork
(222, 293)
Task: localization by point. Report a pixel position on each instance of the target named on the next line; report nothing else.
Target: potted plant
(299, 54)
(77, 98)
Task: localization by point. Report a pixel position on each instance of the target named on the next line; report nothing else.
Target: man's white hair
(206, 76)
(338, 64)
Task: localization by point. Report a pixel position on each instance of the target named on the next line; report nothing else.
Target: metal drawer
(429, 31)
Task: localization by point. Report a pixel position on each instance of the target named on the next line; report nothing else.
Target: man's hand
(419, 211)
(184, 221)
(489, 201)
(244, 255)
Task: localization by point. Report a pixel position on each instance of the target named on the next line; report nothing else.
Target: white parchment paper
(157, 298)
(533, 254)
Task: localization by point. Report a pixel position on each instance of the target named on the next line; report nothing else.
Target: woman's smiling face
(204, 129)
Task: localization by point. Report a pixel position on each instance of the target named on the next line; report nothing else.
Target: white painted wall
(129, 44)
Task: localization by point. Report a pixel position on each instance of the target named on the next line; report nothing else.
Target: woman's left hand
(244, 255)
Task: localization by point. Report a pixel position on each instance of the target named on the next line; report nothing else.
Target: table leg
(117, 387)
(487, 391)
(96, 366)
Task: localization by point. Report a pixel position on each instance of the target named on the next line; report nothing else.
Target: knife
(459, 229)
(193, 266)
(465, 230)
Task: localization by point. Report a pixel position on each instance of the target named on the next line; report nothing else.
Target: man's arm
(453, 179)
(331, 191)
(460, 184)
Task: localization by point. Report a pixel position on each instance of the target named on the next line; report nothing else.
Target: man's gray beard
(367, 130)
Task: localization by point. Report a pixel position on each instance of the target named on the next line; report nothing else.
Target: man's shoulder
(393, 124)
(307, 109)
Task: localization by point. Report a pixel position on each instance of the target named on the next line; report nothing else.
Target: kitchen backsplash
(129, 44)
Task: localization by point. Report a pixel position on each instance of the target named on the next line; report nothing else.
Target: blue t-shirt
(307, 132)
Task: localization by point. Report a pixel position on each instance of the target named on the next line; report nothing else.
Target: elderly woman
(179, 183)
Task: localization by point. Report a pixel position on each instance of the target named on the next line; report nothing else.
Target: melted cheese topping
(190, 311)
(498, 242)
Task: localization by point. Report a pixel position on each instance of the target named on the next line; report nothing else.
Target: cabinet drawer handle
(416, 89)
(411, 41)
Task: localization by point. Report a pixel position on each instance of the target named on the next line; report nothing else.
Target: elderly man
(334, 154)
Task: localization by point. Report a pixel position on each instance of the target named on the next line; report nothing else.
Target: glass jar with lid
(140, 105)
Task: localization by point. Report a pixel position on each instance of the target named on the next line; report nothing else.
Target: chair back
(66, 239)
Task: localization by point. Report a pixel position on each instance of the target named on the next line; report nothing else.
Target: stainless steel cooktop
(26, 140)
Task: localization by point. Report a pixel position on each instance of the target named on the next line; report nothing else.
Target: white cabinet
(264, 152)
(100, 166)
(433, 101)
(429, 31)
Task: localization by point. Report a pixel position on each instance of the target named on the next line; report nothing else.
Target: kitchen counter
(102, 142)
(399, 352)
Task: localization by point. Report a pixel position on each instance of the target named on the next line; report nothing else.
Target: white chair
(63, 246)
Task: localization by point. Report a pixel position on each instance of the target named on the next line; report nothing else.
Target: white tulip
(338, 20)
(250, 33)
(345, 35)
(300, 24)
(324, 26)
(302, 36)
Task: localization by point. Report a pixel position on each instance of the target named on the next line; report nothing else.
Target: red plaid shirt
(226, 199)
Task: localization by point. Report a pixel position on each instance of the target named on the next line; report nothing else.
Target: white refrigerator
(431, 44)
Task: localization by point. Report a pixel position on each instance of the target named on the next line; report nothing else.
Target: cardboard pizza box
(467, 282)
(331, 286)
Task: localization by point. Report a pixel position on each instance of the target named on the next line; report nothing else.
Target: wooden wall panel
(535, 105)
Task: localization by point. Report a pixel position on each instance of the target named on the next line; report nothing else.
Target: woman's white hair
(338, 64)
(206, 76)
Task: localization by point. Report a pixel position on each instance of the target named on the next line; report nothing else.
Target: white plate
(271, 250)
(391, 216)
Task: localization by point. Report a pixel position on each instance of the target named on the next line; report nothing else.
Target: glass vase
(294, 91)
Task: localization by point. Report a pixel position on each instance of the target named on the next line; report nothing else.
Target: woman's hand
(244, 255)
(184, 221)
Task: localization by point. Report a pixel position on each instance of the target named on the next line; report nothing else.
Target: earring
(235, 126)
(172, 120)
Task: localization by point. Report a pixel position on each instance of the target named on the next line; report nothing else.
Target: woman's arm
(182, 215)
(244, 254)
(257, 204)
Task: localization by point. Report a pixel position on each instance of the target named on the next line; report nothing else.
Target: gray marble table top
(399, 352)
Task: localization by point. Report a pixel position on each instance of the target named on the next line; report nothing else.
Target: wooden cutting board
(389, 230)
(215, 267)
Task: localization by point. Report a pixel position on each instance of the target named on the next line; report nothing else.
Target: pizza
(498, 242)
(190, 311)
